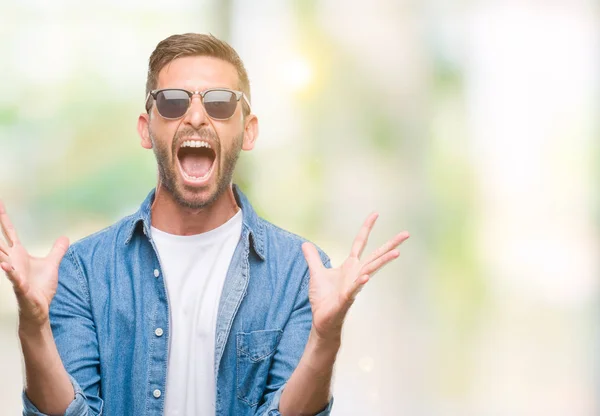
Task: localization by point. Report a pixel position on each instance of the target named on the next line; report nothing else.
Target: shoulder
(282, 243)
(104, 241)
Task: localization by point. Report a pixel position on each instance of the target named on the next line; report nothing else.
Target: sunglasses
(173, 103)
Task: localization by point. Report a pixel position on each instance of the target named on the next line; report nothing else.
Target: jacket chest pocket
(254, 355)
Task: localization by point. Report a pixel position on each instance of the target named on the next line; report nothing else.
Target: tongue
(196, 165)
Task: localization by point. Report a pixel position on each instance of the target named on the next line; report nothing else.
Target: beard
(168, 171)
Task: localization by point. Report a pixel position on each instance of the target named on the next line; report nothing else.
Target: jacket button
(156, 393)
(156, 273)
(158, 332)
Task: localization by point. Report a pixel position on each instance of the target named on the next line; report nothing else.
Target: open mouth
(196, 160)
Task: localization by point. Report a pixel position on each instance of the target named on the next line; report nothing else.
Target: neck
(172, 218)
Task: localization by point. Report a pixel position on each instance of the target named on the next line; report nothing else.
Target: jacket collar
(250, 220)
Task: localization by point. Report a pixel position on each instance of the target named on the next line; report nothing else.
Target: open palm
(332, 291)
(34, 279)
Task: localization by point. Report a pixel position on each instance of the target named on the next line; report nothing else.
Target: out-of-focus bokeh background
(472, 124)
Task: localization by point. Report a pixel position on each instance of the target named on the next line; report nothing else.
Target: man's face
(196, 155)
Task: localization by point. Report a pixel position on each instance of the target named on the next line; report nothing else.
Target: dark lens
(172, 103)
(220, 104)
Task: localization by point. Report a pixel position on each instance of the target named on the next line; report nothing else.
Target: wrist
(30, 330)
(331, 342)
(320, 353)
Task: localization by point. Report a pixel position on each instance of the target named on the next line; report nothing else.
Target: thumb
(312, 257)
(58, 250)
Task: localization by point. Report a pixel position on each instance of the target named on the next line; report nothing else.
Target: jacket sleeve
(76, 340)
(289, 351)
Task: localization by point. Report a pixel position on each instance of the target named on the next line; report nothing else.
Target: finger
(8, 230)
(60, 247)
(391, 244)
(3, 247)
(20, 286)
(377, 264)
(357, 286)
(312, 257)
(4, 258)
(363, 236)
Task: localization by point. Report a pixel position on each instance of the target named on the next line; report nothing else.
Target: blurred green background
(471, 124)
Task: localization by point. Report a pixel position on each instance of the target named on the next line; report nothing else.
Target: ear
(250, 132)
(143, 130)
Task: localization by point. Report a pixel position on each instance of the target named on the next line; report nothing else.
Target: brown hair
(195, 44)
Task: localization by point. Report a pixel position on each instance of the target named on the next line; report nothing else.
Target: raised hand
(332, 291)
(34, 279)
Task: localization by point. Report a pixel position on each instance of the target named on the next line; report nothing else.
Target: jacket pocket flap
(257, 345)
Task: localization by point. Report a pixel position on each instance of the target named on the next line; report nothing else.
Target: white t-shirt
(194, 269)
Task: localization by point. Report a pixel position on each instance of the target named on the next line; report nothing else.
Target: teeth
(195, 143)
(194, 178)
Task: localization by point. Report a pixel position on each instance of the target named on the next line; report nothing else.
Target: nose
(196, 115)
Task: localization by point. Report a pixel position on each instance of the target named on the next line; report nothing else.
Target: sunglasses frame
(154, 93)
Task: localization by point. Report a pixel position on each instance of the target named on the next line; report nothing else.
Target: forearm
(308, 390)
(47, 383)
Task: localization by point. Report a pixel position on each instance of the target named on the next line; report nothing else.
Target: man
(193, 305)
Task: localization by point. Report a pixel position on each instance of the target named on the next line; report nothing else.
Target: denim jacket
(110, 320)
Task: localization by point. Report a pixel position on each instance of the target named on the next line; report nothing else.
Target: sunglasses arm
(148, 105)
(247, 102)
